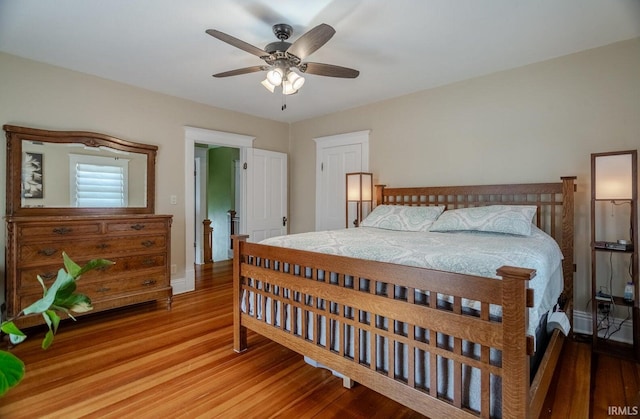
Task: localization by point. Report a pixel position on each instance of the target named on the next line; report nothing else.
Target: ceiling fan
(282, 56)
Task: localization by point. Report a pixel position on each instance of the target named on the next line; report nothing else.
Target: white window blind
(98, 181)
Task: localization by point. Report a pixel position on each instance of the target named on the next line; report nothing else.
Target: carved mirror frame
(16, 134)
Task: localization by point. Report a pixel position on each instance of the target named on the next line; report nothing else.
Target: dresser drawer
(33, 254)
(124, 266)
(136, 226)
(118, 287)
(70, 230)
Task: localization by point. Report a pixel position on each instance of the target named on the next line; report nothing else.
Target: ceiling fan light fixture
(275, 76)
(267, 85)
(287, 88)
(296, 80)
(282, 57)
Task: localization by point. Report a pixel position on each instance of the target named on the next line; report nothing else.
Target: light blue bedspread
(473, 253)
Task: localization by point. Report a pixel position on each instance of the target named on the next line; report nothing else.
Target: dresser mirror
(77, 173)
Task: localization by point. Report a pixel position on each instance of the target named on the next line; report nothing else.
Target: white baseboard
(582, 323)
(186, 284)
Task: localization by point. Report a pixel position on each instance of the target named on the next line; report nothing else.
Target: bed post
(515, 359)
(379, 193)
(239, 331)
(568, 265)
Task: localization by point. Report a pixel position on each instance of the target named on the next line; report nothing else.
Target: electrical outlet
(174, 199)
(174, 269)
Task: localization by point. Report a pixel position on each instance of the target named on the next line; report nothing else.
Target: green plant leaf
(66, 290)
(44, 287)
(78, 303)
(82, 301)
(72, 268)
(48, 338)
(16, 335)
(62, 281)
(95, 264)
(9, 327)
(11, 371)
(16, 339)
(55, 319)
(75, 270)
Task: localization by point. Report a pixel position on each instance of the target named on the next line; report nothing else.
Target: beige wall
(531, 124)
(43, 96)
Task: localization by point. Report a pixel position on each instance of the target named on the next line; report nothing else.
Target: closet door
(336, 156)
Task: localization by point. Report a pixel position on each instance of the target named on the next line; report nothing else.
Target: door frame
(193, 135)
(349, 138)
(199, 204)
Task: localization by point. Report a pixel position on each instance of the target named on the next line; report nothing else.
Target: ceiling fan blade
(239, 71)
(330, 70)
(237, 43)
(308, 43)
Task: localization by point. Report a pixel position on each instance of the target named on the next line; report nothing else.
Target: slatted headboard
(555, 203)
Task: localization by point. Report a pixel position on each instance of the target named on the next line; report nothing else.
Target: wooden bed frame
(261, 270)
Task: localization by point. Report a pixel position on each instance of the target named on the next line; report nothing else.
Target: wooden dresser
(56, 203)
(138, 244)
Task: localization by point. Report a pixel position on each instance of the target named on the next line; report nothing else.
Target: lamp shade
(613, 177)
(287, 88)
(270, 87)
(359, 186)
(295, 80)
(275, 76)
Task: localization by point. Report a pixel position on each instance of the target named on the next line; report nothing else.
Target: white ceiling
(399, 46)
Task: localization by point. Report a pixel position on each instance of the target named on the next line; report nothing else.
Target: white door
(266, 203)
(337, 155)
(336, 163)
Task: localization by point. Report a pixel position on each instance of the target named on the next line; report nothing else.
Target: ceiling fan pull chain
(284, 101)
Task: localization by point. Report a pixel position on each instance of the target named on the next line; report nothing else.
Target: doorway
(216, 199)
(195, 136)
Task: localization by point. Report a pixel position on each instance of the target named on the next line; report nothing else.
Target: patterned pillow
(510, 219)
(402, 218)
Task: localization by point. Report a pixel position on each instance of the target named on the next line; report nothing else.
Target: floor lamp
(360, 191)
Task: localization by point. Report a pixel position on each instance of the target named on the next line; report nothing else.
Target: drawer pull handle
(103, 289)
(138, 227)
(148, 243)
(149, 282)
(47, 276)
(62, 230)
(47, 252)
(148, 262)
(102, 246)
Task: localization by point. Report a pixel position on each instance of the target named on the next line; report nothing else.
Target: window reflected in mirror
(81, 176)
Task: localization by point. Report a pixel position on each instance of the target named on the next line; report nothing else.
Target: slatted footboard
(370, 308)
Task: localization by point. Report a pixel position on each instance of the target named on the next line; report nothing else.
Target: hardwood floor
(145, 361)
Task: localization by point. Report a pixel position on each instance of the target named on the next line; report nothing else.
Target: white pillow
(402, 218)
(509, 219)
